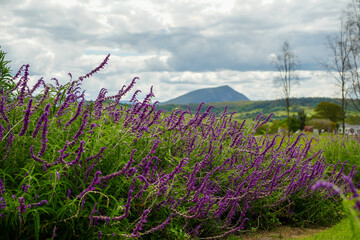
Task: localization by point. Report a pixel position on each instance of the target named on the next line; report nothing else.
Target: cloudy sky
(174, 45)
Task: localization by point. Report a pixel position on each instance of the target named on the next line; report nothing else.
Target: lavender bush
(351, 200)
(76, 169)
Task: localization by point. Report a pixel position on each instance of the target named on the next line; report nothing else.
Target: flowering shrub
(76, 169)
(352, 202)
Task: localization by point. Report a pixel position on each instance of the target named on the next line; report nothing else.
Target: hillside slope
(207, 95)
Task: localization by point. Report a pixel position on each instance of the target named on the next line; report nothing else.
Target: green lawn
(340, 231)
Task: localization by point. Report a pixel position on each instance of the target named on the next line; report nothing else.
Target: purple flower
(127, 208)
(3, 109)
(76, 114)
(44, 139)
(2, 188)
(161, 226)
(22, 206)
(326, 185)
(91, 186)
(23, 85)
(96, 69)
(25, 188)
(122, 171)
(26, 120)
(54, 233)
(41, 120)
(40, 81)
(68, 193)
(79, 152)
(2, 203)
(2, 130)
(80, 130)
(140, 224)
(38, 204)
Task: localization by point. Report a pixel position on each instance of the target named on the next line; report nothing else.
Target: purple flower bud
(26, 120)
(22, 206)
(91, 186)
(2, 188)
(2, 203)
(54, 233)
(140, 224)
(68, 194)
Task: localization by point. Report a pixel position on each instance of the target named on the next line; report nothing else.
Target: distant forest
(250, 109)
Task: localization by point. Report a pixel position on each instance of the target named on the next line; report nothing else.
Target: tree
(322, 124)
(338, 64)
(286, 62)
(301, 119)
(5, 71)
(327, 110)
(353, 33)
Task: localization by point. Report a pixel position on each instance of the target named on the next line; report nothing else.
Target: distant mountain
(207, 95)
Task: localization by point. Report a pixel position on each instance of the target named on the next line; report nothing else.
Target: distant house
(308, 129)
(350, 129)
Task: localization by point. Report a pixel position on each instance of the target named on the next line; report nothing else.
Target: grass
(342, 231)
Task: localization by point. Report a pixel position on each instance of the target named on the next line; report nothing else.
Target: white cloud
(177, 46)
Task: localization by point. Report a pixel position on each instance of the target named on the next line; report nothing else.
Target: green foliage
(222, 153)
(301, 119)
(5, 72)
(353, 120)
(339, 149)
(339, 231)
(274, 127)
(328, 110)
(323, 125)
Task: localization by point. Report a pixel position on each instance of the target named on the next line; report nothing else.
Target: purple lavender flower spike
(76, 114)
(26, 120)
(44, 139)
(3, 109)
(23, 85)
(38, 204)
(2, 203)
(96, 69)
(106, 178)
(352, 187)
(80, 130)
(2, 130)
(127, 208)
(40, 81)
(91, 186)
(22, 207)
(41, 120)
(2, 188)
(133, 98)
(161, 226)
(80, 151)
(54, 233)
(326, 185)
(140, 224)
(9, 144)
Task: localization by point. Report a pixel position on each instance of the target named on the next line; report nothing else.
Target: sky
(176, 46)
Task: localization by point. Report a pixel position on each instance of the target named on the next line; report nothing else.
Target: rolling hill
(207, 95)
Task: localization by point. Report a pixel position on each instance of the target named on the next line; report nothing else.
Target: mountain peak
(218, 94)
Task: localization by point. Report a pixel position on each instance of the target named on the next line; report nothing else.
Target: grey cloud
(194, 36)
